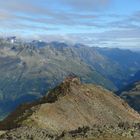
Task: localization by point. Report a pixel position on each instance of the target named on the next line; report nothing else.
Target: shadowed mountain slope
(131, 94)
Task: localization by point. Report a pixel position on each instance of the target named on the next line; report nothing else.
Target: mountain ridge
(71, 106)
(131, 94)
(31, 69)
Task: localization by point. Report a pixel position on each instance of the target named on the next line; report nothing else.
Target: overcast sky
(105, 23)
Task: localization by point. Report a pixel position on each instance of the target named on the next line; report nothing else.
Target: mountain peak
(72, 79)
(63, 89)
(71, 105)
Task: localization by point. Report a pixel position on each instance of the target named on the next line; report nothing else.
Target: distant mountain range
(29, 69)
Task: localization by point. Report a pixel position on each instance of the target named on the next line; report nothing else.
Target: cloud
(86, 5)
(86, 21)
(114, 38)
(4, 15)
(44, 12)
(135, 17)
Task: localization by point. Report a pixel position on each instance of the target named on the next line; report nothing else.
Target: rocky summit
(73, 110)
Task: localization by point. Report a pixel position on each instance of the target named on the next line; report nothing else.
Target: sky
(103, 23)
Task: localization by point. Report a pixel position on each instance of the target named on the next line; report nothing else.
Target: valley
(29, 69)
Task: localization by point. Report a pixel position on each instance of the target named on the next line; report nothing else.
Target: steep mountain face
(135, 78)
(27, 72)
(70, 106)
(117, 65)
(124, 64)
(132, 95)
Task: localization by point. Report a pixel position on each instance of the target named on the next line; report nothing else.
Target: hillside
(27, 72)
(131, 94)
(135, 78)
(29, 69)
(71, 110)
(124, 65)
